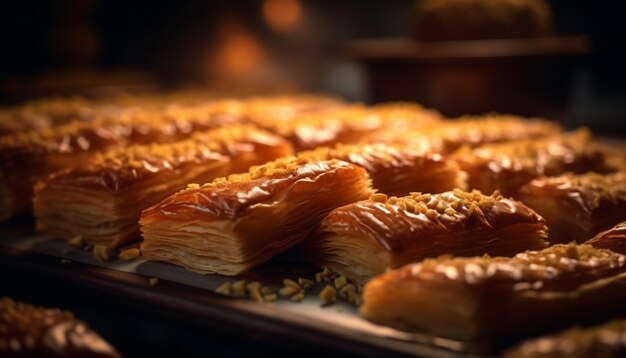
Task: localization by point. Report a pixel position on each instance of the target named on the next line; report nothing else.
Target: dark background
(172, 43)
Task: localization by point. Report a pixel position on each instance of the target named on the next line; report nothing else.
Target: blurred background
(560, 59)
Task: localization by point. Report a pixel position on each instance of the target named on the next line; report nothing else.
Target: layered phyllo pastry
(236, 223)
(577, 207)
(508, 166)
(27, 157)
(32, 331)
(397, 170)
(485, 299)
(366, 238)
(605, 340)
(101, 202)
(613, 239)
(469, 131)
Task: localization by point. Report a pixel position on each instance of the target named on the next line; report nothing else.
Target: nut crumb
(341, 281)
(225, 289)
(291, 283)
(288, 291)
(239, 288)
(266, 290)
(298, 297)
(101, 253)
(129, 254)
(328, 294)
(305, 283)
(76, 241)
(255, 294)
(271, 297)
(153, 281)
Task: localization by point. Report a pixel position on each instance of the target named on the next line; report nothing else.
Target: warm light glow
(238, 53)
(282, 15)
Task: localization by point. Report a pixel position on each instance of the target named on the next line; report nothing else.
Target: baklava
(605, 340)
(364, 239)
(349, 123)
(576, 207)
(483, 299)
(234, 224)
(101, 202)
(27, 157)
(32, 331)
(397, 170)
(469, 131)
(613, 239)
(508, 166)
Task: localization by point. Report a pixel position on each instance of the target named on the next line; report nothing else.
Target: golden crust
(499, 298)
(397, 170)
(577, 207)
(508, 166)
(606, 340)
(395, 231)
(92, 200)
(235, 223)
(32, 331)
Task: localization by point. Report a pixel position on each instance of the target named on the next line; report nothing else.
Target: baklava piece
(101, 202)
(29, 156)
(470, 131)
(613, 239)
(482, 300)
(349, 124)
(576, 207)
(508, 166)
(397, 170)
(606, 340)
(234, 224)
(364, 239)
(32, 331)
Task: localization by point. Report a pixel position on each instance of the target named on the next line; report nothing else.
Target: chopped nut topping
(153, 281)
(129, 254)
(347, 289)
(266, 290)
(255, 294)
(328, 294)
(256, 285)
(101, 253)
(379, 198)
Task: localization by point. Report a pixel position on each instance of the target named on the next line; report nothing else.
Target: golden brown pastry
(27, 157)
(469, 131)
(101, 202)
(613, 239)
(606, 340)
(576, 207)
(349, 123)
(366, 238)
(397, 170)
(508, 166)
(32, 331)
(484, 299)
(234, 224)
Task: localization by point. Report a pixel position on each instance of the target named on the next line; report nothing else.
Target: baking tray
(187, 295)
